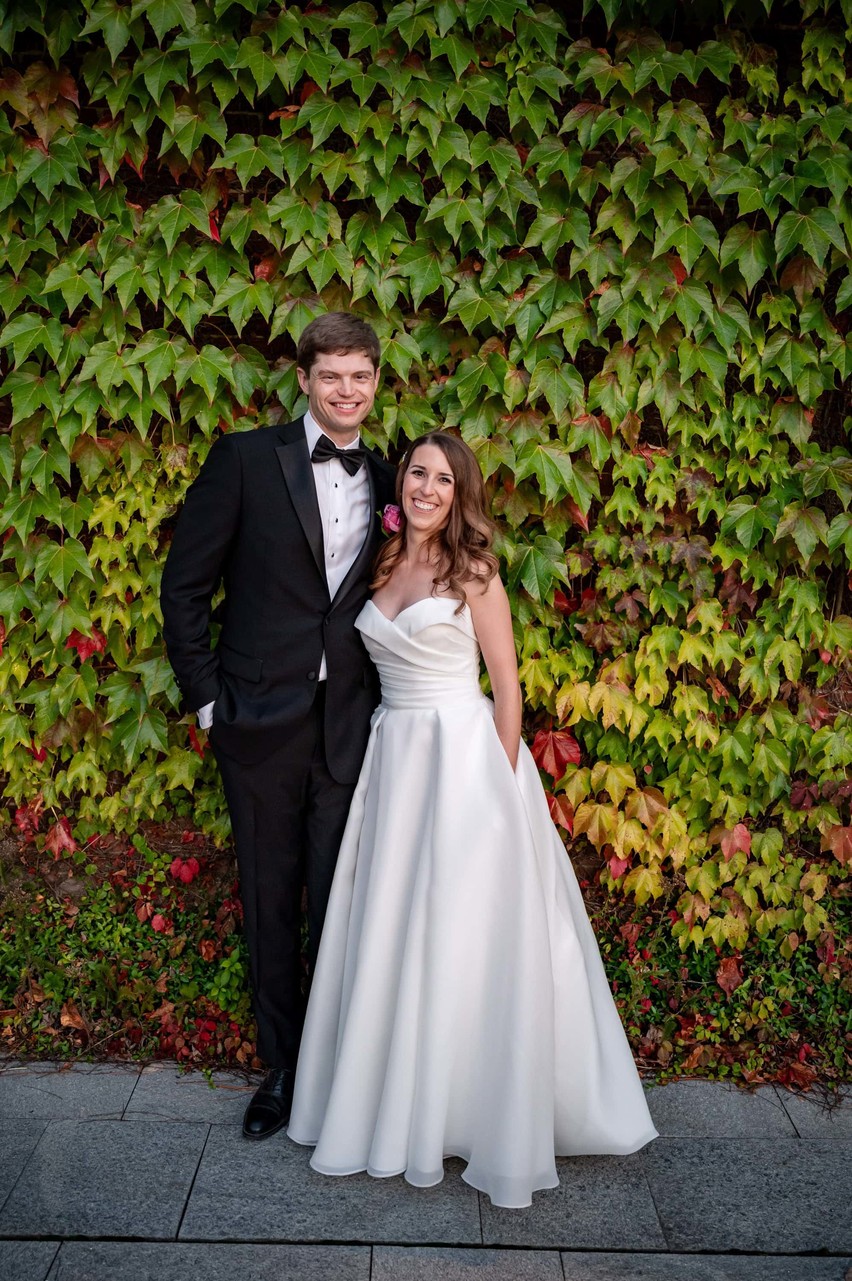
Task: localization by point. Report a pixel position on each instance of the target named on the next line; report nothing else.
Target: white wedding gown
(459, 1005)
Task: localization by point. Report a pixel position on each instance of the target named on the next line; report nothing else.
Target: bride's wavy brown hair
(462, 548)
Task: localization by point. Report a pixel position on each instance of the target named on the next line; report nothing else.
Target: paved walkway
(122, 1174)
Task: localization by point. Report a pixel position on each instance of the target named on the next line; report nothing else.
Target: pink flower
(391, 519)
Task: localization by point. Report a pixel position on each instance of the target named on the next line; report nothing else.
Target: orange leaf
(739, 838)
(70, 1016)
(729, 976)
(839, 841)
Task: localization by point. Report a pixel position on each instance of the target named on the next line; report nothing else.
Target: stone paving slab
(18, 1140)
(57, 1091)
(816, 1119)
(750, 1195)
(146, 1261)
(694, 1267)
(163, 1093)
(26, 1260)
(267, 1191)
(105, 1179)
(600, 1200)
(424, 1263)
(711, 1109)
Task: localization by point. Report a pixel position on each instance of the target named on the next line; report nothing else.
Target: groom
(286, 520)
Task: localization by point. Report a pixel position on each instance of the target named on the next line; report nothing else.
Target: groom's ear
(303, 379)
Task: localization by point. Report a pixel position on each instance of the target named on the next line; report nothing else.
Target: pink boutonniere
(391, 519)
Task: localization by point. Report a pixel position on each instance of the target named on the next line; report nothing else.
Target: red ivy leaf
(561, 812)
(158, 923)
(797, 1074)
(214, 229)
(185, 870)
(601, 636)
(737, 839)
(28, 817)
(86, 646)
(554, 750)
(565, 604)
(677, 268)
(140, 167)
(729, 976)
(59, 838)
(617, 866)
(577, 515)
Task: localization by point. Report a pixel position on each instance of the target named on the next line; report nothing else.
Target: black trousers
(287, 815)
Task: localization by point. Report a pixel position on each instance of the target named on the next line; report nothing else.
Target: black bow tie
(324, 450)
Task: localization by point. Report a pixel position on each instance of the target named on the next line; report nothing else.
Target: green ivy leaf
(750, 250)
(807, 526)
(165, 15)
(205, 369)
(561, 385)
(242, 298)
(29, 332)
(61, 562)
(159, 69)
(251, 156)
(113, 20)
(551, 464)
(538, 567)
(814, 232)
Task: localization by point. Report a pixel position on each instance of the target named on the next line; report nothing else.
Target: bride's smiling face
(428, 490)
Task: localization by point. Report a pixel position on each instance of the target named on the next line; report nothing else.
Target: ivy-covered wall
(612, 250)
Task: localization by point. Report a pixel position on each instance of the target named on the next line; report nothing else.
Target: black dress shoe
(269, 1110)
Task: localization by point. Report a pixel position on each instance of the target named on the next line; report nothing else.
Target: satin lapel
(298, 473)
(369, 547)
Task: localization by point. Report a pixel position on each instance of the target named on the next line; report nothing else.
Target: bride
(459, 1005)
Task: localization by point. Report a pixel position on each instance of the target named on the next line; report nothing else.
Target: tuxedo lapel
(298, 473)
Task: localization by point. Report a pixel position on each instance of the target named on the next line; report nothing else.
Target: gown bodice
(426, 657)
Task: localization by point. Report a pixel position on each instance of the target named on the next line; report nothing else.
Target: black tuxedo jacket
(251, 522)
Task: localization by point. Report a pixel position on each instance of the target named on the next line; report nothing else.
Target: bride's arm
(492, 621)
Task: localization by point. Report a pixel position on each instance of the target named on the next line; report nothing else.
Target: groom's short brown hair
(337, 333)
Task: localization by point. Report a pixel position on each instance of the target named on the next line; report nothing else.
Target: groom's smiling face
(340, 389)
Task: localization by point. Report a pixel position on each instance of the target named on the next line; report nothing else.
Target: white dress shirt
(344, 507)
